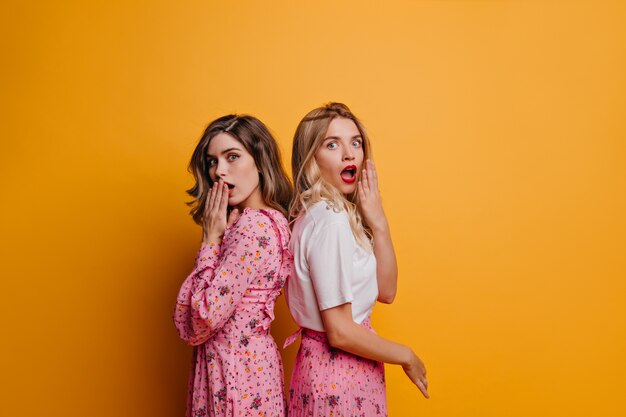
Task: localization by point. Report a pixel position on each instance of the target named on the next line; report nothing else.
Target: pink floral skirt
(236, 376)
(331, 382)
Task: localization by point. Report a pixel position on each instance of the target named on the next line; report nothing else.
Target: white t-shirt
(329, 268)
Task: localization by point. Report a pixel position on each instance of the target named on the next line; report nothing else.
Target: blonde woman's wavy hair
(309, 186)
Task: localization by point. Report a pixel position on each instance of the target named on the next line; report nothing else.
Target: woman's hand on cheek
(214, 222)
(370, 203)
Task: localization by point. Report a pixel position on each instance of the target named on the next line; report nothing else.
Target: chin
(346, 189)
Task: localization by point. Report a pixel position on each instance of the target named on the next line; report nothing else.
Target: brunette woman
(225, 306)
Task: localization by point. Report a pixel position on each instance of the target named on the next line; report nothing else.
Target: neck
(254, 201)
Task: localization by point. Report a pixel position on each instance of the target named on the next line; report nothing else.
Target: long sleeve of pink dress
(224, 308)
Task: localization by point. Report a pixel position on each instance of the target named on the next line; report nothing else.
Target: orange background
(498, 129)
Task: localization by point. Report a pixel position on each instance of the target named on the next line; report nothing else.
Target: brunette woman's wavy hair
(276, 188)
(309, 186)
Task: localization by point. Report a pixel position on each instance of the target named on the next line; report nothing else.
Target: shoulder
(252, 222)
(322, 215)
(266, 224)
(321, 223)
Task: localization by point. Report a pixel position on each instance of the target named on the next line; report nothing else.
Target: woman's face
(340, 157)
(230, 161)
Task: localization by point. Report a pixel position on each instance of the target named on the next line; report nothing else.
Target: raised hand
(370, 203)
(215, 222)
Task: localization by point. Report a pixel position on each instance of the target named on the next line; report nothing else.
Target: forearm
(360, 341)
(343, 333)
(185, 321)
(386, 264)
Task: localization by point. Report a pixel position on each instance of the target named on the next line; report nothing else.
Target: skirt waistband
(317, 335)
(241, 336)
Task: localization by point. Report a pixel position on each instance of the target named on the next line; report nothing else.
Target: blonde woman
(344, 262)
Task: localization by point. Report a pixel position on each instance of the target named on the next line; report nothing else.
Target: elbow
(196, 341)
(387, 298)
(194, 338)
(337, 338)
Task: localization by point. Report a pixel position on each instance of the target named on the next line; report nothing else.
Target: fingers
(360, 191)
(423, 387)
(365, 181)
(224, 199)
(216, 201)
(219, 193)
(211, 198)
(369, 177)
(215, 211)
(208, 204)
(371, 174)
(232, 217)
(416, 371)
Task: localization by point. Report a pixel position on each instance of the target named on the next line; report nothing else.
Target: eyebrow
(337, 137)
(225, 151)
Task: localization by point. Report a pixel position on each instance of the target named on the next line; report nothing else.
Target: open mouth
(231, 187)
(348, 174)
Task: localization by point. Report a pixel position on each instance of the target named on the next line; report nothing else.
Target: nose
(348, 153)
(220, 169)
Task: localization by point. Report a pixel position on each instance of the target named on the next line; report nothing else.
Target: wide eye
(332, 145)
(232, 157)
(356, 143)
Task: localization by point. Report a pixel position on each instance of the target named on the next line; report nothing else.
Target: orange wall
(498, 128)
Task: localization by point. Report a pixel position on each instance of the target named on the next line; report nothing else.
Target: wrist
(211, 239)
(379, 227)
(409, 357)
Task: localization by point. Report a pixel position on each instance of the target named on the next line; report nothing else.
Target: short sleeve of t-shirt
(330, 252)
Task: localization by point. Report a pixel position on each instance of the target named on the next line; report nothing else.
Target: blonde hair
(309, 186)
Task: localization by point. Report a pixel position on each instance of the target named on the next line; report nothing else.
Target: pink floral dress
(224, 309)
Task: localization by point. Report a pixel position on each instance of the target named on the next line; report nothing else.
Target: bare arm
(343, 333)
(386, 264)
(372, 210)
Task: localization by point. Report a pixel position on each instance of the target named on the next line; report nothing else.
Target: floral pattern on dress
(331, 382)
(224, 309)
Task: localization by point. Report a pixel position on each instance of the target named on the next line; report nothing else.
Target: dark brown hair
(275, 186)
